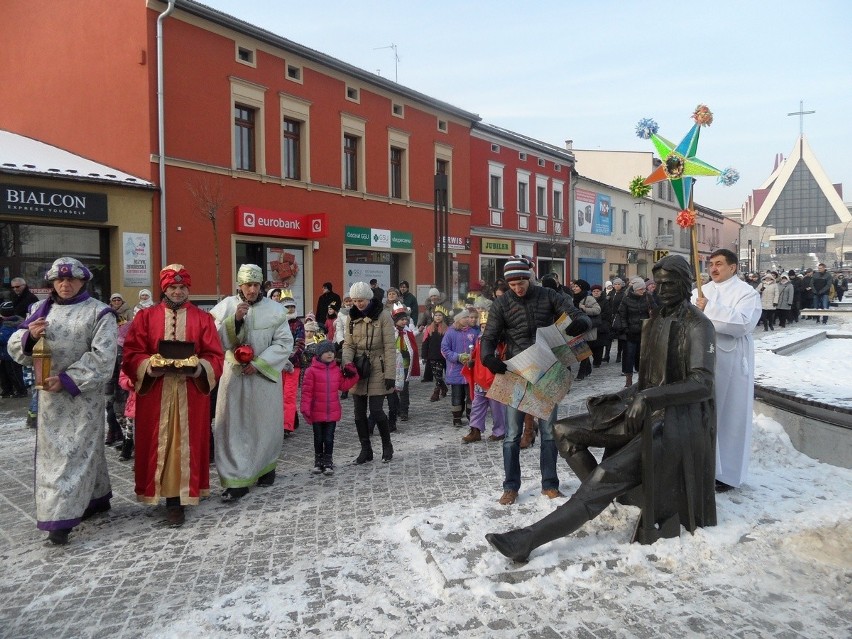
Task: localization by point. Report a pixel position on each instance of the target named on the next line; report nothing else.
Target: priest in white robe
(734, 308)
(247, 429)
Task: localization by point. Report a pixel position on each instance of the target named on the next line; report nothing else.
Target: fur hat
(517, 268)
(360, 291)
(583, 284)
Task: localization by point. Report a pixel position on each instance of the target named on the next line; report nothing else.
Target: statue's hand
(636, 413)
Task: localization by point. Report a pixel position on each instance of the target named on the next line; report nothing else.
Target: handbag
(363, 365)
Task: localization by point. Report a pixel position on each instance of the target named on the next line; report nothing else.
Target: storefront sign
(378, 238)
(455, 243)
(136, 254)
(256, 221)
(494, 246)
(41, 202)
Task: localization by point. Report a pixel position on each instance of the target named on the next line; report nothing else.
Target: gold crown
(440, 309)
(483, 317)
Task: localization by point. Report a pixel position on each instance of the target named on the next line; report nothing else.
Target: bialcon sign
(55, 203)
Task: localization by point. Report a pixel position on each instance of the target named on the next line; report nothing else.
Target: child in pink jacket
(128, 420)
(320, 403)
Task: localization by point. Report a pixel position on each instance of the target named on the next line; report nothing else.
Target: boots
(384, 432)
(436, 394)
(443, 388)
(473, 436)
(126, 449)
(392, 421)
(327, 465)
(457, 417)
(530, 430)
(518, 544)
(363, 430)
(628, 380)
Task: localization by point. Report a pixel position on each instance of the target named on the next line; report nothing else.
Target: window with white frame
(247, 132)
(625, 219)
(541, 196)
(398, 153)
(353, 168)
(295, 138)
(558, 190)
(495, 185)
(523, 192)
(641, 225)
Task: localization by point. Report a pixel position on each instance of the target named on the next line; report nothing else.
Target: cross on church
(801, 113)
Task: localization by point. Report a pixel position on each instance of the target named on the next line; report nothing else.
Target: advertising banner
(136, 259)
(593, 213)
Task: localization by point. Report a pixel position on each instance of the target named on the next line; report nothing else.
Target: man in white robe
(734, 308)
(247, 429)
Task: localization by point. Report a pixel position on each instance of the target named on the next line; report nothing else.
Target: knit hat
(618, 281)
(434, 292)
(360, 291)
(116, 296)
(583, 284)
(7, 309)
(517, 268)
(637, 283)
(596, 287)
(607, 284)
(68, 267)
(548, 281)
(249, 274)
(324, 346)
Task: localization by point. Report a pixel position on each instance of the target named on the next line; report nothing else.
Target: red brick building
(315, 169)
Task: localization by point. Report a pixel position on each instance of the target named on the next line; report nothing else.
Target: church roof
(781, 176)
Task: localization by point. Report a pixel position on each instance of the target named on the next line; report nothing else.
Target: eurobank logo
(280, 223)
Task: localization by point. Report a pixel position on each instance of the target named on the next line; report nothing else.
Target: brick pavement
(315, 544)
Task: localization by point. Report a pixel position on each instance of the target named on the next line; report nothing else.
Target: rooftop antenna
(395, 60)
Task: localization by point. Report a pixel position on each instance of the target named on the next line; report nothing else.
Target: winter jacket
(457, 342)
(374, 328)
(514, 320)
(785, 296)
(430, 349)
(298, 331)
(632, 312)
(413, 309)
(615, 303)
(605, 329)
(322, 305)
(768, 296)
(341, 324)
(125, 383)
(821, 282)
(321, 389)
(23, 301)
(408, 356)
(589, 305)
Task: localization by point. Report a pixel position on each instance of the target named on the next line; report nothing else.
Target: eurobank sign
(254, 221)
(378, 238)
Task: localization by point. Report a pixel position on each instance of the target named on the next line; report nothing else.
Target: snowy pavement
(398, 550)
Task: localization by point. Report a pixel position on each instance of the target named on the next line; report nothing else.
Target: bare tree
(209, 200)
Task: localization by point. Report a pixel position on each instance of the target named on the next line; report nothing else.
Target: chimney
(569, 145)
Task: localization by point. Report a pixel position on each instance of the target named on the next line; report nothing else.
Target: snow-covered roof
(22, 155)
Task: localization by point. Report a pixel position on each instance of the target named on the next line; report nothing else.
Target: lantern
(41, 362)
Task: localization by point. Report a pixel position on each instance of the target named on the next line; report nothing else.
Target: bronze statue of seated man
(659, 435)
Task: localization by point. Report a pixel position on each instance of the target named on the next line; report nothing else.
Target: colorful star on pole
(680, 164)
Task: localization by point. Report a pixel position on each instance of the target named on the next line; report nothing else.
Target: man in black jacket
(821, 282)
(514, 319)
(22, 297)
(328, 296)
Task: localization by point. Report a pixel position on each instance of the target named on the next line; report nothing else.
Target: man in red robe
(172, 402)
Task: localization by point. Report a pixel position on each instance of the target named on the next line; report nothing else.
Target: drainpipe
(161, 131)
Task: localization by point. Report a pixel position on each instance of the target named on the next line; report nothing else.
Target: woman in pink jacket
(320, 403)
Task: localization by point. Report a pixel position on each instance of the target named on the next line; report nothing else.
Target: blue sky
(588, 71)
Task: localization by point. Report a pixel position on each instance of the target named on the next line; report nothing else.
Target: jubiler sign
(39, 202)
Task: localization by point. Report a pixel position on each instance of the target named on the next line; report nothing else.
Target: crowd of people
(182, 388)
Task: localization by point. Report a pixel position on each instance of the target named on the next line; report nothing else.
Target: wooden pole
(694, 237)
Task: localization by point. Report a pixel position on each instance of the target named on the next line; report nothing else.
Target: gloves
(349, 370)
(389, 384)
(288, 367)
(494, 364)
(577, 327)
